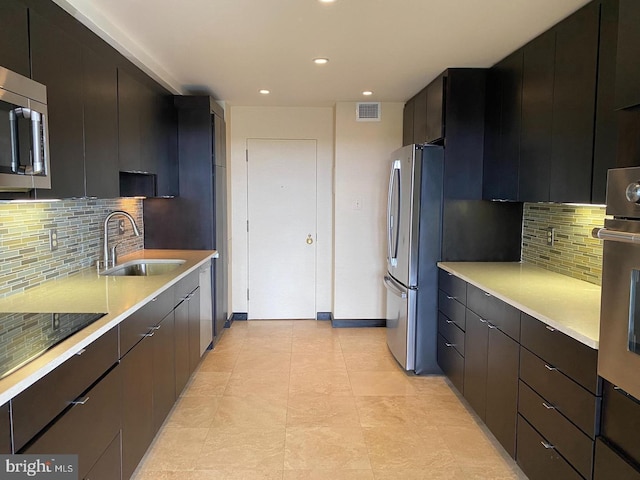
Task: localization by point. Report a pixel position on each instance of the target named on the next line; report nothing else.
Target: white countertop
(571, 306)
(88, 292)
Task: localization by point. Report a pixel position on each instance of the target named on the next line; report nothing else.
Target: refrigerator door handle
(392, 220)
(391, 286)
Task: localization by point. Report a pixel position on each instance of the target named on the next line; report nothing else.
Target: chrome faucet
(111, 262)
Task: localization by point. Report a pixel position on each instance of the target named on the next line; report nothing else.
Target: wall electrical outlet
(121, 227)
(551, 236)
(55, 321)
(53, 239)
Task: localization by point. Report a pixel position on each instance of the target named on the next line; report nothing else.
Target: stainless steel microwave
(24, 150)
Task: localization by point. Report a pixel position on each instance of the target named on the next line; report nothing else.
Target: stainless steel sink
(143, 268)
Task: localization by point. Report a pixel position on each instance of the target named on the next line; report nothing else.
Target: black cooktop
(26, 336)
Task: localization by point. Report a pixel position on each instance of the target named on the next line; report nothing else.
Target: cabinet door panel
(574, 93)
(420, 117)
(56, 61)
(537, 116)
(627, 65)
(475, 364)
(452, 286)
(436, 94)
(14, 37)
(164, 378)
(100, 97)
(609, 464)
(502, 388)
(194, 329)
(137, 404)
(108, 466)
(5, 430)
(407, 122)
(621, 420)
(181, 340)
(452, 308)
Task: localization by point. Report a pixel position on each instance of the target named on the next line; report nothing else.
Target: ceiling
(233, 48)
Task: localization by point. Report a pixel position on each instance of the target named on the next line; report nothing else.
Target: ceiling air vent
(368, 112)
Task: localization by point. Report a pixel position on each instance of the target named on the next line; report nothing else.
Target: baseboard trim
(236, 316)
(358, 322)
(324, 316)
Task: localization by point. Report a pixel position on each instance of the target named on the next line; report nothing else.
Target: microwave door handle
(13, 125)
(36, 136)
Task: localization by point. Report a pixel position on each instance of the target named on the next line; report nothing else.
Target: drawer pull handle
(149, 334)
(80, 401)
(450, 298)
(154, 299)
(551, 329)
(547, 406)
(491, 326)
(450, 344)
(482, 320)
(547, 445)
(487, 294)
(81, 351)
(450, 274)
(448, 321)
(550, 368)
(156, 327)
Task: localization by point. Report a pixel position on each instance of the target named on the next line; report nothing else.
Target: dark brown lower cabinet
(164, 378)
(475, 366)
(88, 427)
(194, 329)
(108, 465)
(451, 362)
(610, 464)
(5, 429)
(503, 355)
(538, 459)
(137, 404)
(181, 340)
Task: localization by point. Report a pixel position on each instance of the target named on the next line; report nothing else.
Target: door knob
(309, 239)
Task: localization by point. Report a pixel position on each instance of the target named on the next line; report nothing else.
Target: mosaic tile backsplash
(25, 257)
(574, 253)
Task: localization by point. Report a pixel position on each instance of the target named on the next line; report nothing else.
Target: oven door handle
(615, 235)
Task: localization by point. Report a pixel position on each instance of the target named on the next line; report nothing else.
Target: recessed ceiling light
(327, 1)
(320, 61)
(264, 91)
(366, 93)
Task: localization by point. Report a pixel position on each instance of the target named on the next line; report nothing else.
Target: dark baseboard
(236, 316)
(324, 316)
(358, 323)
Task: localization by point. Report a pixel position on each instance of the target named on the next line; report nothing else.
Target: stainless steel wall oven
(619, 349)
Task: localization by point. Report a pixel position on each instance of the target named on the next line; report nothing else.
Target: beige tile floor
(292, 400)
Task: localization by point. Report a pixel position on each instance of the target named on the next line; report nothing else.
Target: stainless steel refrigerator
(414, 226)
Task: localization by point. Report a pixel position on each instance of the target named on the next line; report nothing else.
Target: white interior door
(282, 228)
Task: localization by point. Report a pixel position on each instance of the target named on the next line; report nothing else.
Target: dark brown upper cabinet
(436, 94)
(574, 100)
(14, 37)
(56, 61)
(627, 93)
(407, 122)
(502, 129)
(420, 117)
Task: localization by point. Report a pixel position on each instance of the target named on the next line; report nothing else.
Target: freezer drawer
(401, 328)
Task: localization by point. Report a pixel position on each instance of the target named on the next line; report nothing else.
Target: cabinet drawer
(451, 363)
(571, 357)
(138, 324)
(568, 440)
(452, 285)
(537, 461)
(451, 333)
(39, 404)
(185, 286)
(453, 309)
(574, 402)
(621, 420)
(85, 429)
(609, 464)
(495, 311)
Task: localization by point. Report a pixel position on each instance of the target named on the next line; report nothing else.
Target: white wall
(352, 168)
(362, 152)
(280, 123)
